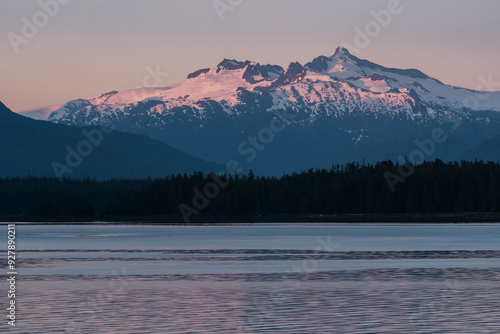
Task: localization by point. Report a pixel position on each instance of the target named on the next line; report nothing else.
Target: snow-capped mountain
(333, 109)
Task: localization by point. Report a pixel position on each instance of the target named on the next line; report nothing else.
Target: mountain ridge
(341, 104)
(39, 148)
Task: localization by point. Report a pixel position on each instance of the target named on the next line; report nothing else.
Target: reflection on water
(110, 285)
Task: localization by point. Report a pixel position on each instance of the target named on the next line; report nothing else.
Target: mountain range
(41, 148)
(331, 110)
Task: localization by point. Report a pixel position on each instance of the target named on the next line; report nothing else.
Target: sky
(84, 48)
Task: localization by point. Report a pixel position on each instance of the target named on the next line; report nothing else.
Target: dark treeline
(431, 187)
(49, 197)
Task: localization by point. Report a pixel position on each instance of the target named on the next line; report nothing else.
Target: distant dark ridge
(350, 193)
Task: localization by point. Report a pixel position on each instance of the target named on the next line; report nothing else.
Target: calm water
(257, 279)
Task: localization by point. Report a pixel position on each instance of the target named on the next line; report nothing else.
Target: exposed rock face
(343, 109)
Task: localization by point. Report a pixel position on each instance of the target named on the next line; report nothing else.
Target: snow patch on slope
(40, 113)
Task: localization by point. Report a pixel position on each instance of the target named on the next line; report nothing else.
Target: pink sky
(90, 47)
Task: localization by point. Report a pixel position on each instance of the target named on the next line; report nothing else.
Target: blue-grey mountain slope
(40, 148)
(330, 110)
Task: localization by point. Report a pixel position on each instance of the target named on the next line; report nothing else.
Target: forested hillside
(431, 187)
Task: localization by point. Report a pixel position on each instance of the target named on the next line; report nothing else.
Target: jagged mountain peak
(104, 97)
(342, 52)
(253, 72)
(256, 73)
(293, 74)
(198, 73)
(108, 94)
(232, 64)
(343, 65)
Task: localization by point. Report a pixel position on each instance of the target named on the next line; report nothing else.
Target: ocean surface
(292, 278)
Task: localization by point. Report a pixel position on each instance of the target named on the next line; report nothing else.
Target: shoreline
(370, 219)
